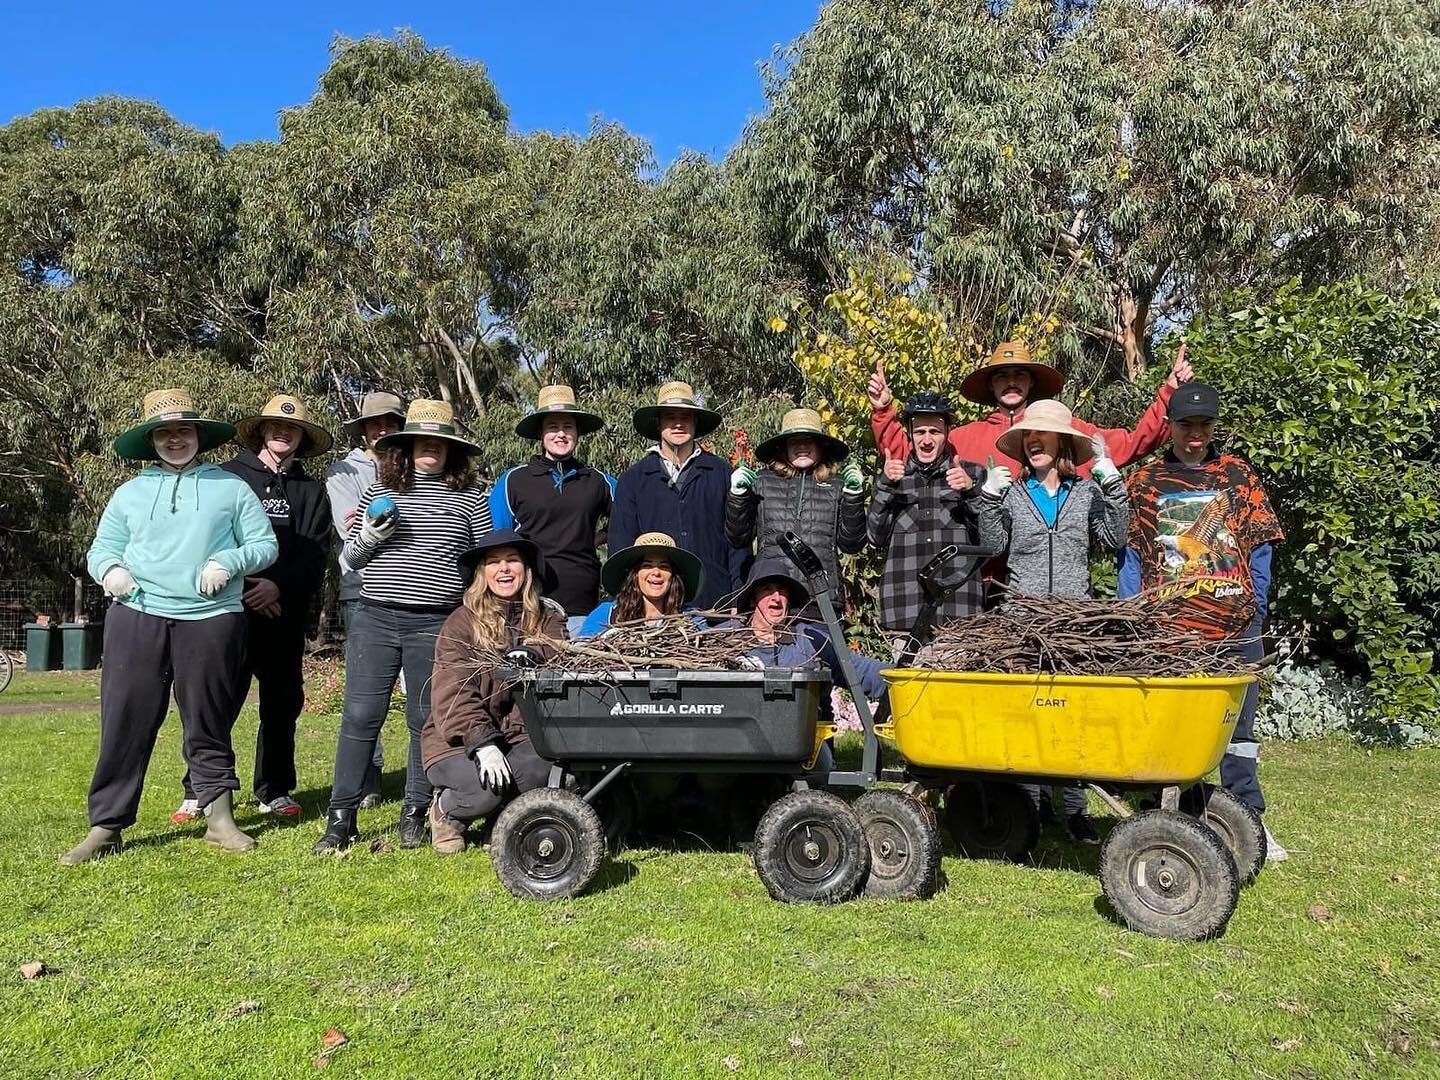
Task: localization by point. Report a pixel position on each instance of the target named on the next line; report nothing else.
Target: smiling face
(281, 438)
(927, 435)
(559, 436)
(772, 604)
(653, 576)
(1192, 437)
(1041, 449)
(177, 444)
(677, 428)
(802, 451)
(429, 454)
(1011, 386)
(504, 571)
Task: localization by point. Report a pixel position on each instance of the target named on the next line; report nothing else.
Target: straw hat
(170, 406)
(373, 405)
(617, 566)
(675, 395)
(557, 400)
(1046, 380)
(435, 419)
(802, 422)
(289, 409)
(1045, 416)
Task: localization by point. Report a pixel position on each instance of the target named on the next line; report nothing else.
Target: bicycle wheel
(7, 670)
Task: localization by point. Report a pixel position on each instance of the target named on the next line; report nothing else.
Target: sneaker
(283, 805)
(1274, 850)
(1081, 830)
(188, 811)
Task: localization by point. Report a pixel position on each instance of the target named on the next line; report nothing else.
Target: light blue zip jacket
(164, 526)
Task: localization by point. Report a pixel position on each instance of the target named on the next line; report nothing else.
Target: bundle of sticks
(1139, 636)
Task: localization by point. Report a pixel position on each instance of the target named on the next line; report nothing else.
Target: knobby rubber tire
(1168, 875)
(548, 844)
(904, 843)
(992, 819)
(810, 848)
(1238, 825)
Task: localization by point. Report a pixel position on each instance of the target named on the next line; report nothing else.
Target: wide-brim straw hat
(805, 422)
(768, 570)
(1045, 416)
(375, 404)
(675, 395)
(171, 406)
(688, 566)
(502, 538)
(434, 419)
(292, 411)
(557, 400)
(1045, 380)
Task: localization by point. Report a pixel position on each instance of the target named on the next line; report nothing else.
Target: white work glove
(213, 577)
(1102, 468)
(379, 532)
(851, 478)
(493, 768)
(997, 479)
(118, 582)
(742, 479)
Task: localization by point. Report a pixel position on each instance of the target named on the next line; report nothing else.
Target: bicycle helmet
(928, 402)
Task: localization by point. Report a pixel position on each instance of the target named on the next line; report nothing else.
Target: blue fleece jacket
(164, 526)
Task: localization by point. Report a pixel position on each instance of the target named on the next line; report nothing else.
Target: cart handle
(803, 556)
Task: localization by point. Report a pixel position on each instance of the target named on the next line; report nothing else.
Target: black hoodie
(299, 511)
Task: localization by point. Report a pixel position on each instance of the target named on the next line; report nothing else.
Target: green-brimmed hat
(290, 410)
(374, 404)
(557, 400)
(172, 406)
(675, 395)
(802, 422)
(435, 419)
(688, 566)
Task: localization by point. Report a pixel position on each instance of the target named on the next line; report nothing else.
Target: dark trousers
(276, 649)
(1072, 795)
(1240, 767)
(462, 796)
(347, 616)
(380, 641)
(204, 660)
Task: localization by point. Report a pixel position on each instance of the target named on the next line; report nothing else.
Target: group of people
(214, 569)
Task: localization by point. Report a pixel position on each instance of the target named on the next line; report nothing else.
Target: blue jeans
(1240, 767)
(381, 641)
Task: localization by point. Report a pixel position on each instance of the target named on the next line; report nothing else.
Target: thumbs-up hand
(894, 467)
(878, 390)
(958, 478)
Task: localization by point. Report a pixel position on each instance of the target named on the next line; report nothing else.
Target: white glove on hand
(997, 479)
(851, 478)
(379, 532)
(742, 479)
(493, 768)
(118, 582)
(1102, 468)
(213, 578)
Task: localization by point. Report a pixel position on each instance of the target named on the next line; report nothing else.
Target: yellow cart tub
(1086, 727)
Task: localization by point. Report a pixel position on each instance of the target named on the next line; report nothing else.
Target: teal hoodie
(164, 526)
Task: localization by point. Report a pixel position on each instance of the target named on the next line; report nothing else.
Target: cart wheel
(904, 845)
(619, 809)
(1234, 822)
(809, 847)
(547, 845)
(992, 819)
(1167, 875)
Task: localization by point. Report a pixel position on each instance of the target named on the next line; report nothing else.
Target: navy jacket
(692, 513)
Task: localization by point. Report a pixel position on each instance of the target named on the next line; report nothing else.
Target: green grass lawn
(176, 960)
(29, 687)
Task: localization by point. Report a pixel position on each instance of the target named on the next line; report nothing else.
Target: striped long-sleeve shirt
(416, 565)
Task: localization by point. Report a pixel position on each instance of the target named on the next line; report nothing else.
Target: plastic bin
(81, 643)
(42, 647)
(660, 715)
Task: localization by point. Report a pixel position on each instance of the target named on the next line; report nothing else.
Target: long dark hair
(395, 468)
(630, 602)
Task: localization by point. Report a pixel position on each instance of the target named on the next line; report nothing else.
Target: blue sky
(681, 74)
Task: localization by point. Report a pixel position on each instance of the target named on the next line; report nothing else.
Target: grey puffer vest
(821, 513)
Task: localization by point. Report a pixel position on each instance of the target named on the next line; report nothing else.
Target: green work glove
(743, 479)
(851, 478)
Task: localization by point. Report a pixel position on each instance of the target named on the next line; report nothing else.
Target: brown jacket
(470, 708)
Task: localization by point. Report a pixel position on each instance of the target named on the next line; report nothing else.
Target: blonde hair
(488, 611)
(821, 472)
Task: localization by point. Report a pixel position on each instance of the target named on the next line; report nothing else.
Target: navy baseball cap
(1194, 399)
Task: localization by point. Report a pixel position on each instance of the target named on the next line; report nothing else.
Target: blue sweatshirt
(164, 526)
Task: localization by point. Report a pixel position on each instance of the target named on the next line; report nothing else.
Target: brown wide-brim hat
(434, 419)
(557, 400)
(1045, 380)
(688, 566)
(289, 410)
(675, 395)
(170, 406)
(375, 404)
(1045, 416)
(805, 422)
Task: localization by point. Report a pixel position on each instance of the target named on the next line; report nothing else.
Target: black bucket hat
(766, 571)
(502, 538)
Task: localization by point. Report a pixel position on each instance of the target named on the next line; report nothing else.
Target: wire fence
(25, 601)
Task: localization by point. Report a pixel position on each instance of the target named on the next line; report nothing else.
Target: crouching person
(474, 746)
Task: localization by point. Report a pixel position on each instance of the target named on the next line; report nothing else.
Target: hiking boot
(1081, 830)
(220, 828)
(187, 812)
(282, 805)
(1274, 850)
(372, 794)
(340, 833)
(447, 836)
(412, 825)
(97, 844)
